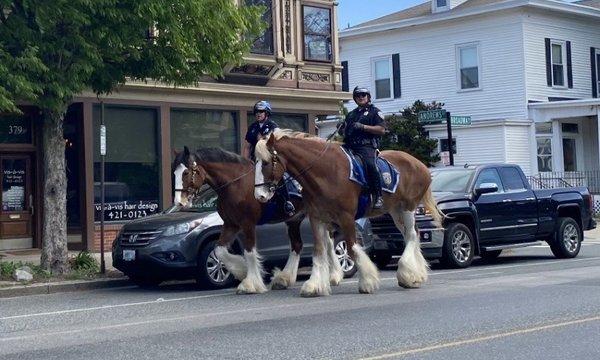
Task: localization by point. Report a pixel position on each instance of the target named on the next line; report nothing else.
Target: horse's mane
(219, 155)
(262, 152)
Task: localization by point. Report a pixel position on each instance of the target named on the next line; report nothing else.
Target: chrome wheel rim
(461, 246)
(215, 268)
(570, 238)
(341, 250)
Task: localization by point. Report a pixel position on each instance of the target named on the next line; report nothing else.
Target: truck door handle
(530, 199)
(506, 200)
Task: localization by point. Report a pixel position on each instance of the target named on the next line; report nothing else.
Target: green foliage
(407, 134)
(51, 51)
(7, 269)
(84, 262)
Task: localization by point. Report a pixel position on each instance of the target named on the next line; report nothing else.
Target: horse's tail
(431, 206)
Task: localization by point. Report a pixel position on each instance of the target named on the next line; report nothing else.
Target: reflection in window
(264, 43)
(131, 163)
(489, 176)
(469, 67)
(204, 128)
(286, 121)
(558, 67)
(317, 34)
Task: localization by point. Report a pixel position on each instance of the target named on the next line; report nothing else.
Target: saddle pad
(389, 176)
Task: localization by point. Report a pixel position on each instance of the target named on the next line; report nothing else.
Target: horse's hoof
(309, 290)
(335, 280)
(278, 286)
(414, 285)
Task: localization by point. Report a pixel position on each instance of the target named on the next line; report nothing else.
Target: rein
(195, 171)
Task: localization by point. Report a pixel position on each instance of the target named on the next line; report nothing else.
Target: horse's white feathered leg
(412, 266)
(336, 274)
(283, 279)
(253, 283)
(318, 284)
(234, 263)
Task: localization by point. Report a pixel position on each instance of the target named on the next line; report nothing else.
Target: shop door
(17, 202)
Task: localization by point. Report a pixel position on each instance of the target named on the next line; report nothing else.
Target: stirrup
(289, 208)
(377, 202)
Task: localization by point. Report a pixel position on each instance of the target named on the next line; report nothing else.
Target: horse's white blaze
(368, 275)
(282, 279)
(261, 192)
(336, 274)
(253, 283)
(318, 284)
(412, 266)
(178, 182)
(234, 263)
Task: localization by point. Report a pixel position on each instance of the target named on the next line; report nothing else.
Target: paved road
(526, 305)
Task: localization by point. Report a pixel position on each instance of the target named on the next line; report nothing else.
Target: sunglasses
(361, 94)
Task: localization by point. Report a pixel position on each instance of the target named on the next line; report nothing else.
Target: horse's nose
(262, 198)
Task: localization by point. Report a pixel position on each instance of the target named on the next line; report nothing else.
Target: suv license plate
(128, 255)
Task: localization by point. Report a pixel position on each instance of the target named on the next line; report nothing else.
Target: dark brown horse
(232, 177)
(330, 197)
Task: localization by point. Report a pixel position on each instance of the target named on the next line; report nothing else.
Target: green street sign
(432, 116)
(460, 120)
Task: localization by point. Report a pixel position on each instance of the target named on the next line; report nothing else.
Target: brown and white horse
(232, 177)
(331, 198)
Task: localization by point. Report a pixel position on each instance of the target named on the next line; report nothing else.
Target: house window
(264, 43)
(598, 71)
(296, 122)
(317, 33)
(543, 135)
(382, 76)
(444, 145)
(131, 163)
(558, 63)
(469, 73)
(441, 3)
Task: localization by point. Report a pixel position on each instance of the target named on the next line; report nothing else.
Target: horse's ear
(175, 152)
(271, 140)
(186, 151)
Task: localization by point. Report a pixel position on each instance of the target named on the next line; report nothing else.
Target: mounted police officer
(362, 130)
(263, 126)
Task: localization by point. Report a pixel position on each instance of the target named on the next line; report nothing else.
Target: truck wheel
(490, 255)
(566, 242)
(459, 246)
(211, 273)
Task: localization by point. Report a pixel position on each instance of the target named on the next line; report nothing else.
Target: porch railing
(550, 180)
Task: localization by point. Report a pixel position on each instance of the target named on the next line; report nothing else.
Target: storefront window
(15, 129)
(13, 184)
(204, 128)
(131, 163)
(264, 43)
(317, 33)
(287, 121)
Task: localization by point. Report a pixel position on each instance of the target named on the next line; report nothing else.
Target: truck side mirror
(486, 188)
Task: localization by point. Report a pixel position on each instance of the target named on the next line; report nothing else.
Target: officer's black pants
(369, 156)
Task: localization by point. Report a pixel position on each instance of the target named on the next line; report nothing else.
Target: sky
(354, 12)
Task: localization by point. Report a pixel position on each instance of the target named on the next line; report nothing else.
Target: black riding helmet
(361, 90)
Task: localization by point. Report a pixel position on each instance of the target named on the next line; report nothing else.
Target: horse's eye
(185, 172)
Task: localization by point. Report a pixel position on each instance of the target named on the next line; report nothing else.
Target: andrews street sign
(432, 116)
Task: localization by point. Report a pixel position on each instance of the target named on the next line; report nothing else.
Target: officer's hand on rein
(358, 126)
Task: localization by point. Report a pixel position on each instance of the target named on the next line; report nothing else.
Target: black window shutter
(345, 76)
(594, 74)
(548, 63)
(569, 66)
(396, 70)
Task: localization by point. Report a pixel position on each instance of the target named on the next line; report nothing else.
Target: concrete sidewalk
(113, 277)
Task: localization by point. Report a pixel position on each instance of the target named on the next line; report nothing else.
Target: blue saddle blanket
(389, 176)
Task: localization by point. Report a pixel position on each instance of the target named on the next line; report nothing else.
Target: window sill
(469, 90)
(560, 87)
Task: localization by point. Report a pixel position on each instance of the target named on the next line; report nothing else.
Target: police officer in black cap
(362, 130)
(263, 126)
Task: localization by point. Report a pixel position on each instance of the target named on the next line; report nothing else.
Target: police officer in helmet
(362, 130)
(263, 126)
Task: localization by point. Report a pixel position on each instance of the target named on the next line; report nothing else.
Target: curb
(63, 286)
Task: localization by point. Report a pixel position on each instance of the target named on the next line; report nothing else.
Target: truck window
(489, 176)
(512, 179)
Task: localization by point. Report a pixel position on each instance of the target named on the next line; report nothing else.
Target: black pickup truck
(490, 208)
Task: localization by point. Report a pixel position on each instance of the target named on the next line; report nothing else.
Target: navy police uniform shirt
(255, 131)
(369, 115)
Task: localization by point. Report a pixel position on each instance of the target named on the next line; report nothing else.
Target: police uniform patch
(380, 114)
(387, 178)
(366, 113)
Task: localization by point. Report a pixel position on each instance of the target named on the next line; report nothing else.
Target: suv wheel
(459, 246)
(567, 239)
(348, 265)
(211, 272)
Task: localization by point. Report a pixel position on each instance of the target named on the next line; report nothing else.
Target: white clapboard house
(526, 71)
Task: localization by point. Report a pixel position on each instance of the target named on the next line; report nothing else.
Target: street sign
(432, 116)
(460, 120)
(102, 140)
